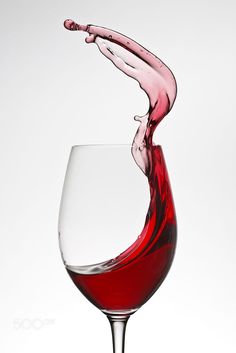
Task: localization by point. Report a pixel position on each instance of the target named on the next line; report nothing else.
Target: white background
(57, 91)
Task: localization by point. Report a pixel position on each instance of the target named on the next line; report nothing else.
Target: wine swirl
(158, 237)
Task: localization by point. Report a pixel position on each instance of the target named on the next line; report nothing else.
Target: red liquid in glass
(139, 274)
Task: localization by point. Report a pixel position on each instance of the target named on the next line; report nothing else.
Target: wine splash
(115, 284)
(153, 76)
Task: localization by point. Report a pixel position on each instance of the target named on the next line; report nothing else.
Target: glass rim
(106, 145)
(102, 145)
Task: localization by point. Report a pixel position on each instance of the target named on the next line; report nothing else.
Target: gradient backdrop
(57, 91)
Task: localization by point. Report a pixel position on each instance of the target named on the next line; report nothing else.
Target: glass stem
(118, 326)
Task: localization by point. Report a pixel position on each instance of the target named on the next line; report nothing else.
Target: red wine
(140, 270)
(129, 280)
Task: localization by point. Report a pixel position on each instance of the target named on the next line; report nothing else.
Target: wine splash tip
(73, 26)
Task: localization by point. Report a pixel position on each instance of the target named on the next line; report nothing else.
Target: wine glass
(117, 229)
